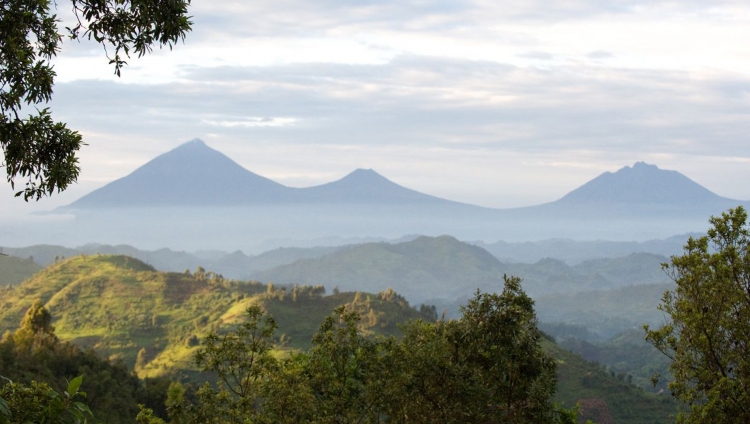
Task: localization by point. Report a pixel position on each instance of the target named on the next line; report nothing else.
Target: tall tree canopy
(36, 148)
(488, 367)
(708, 338)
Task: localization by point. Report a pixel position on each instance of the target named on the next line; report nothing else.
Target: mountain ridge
(641, 183)
(189, 174)
(194, 174)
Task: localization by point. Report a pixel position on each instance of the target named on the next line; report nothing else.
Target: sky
(499, 104)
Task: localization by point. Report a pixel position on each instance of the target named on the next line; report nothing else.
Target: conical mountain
(642, 194)
(642, 184)
(366, 186)
(192, 174)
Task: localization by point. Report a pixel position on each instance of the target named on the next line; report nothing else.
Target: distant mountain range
(196, 198)
(238, 265)
(194, 174)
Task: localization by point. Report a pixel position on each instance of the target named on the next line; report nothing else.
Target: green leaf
(74, 385)
(4, 410)
(82, 406)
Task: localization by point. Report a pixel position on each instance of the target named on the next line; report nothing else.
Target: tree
(38, 403)
(487, 367)
(36, 148)
(346, 371)
(36, 328)
(498, 340)
(708, 336)
(242, 360)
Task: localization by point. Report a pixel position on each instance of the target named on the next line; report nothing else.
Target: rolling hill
(152, 320)
(432, 268)
(125, 309)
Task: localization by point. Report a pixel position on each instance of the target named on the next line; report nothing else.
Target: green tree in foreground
(35, 147)
(38, 403)
(708, 338)
(488, 367)
(34, 354)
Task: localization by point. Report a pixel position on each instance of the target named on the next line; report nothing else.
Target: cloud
(600, 54)
(537, 55)
(252, 122)
(463, 118)
(472, 100)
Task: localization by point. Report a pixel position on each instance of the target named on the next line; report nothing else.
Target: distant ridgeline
(420, 268)
(198, 199)
(194, 174)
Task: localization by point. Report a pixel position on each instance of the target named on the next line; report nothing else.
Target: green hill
(13, 270)
(417, 269)
(153, 320)
(604, 396)
(431, 268)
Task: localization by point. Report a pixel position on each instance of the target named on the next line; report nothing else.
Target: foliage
(34, 353)
(39, 403)
(498, 340)
(345, 371)
(487, 367)
(709, 334)
(241, 358)
(36, 148)
(146, 416)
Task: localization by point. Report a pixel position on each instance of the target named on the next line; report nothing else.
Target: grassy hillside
(153, 320)
(607, 397)
(13, 270)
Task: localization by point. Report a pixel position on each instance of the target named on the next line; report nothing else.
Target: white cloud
(252, 122)
(496, 103)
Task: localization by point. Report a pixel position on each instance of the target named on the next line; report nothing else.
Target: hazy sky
(500, 104)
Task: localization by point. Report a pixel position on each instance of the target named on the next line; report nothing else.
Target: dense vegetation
(34, 353)
(707, 336)
(487, 367)
(155, 322)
